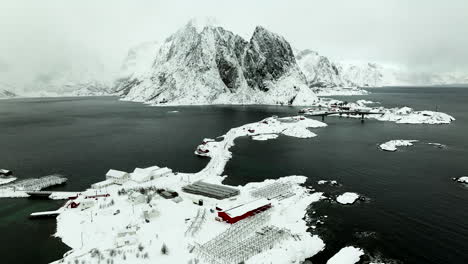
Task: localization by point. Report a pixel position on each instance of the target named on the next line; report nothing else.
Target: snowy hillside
(206, 64)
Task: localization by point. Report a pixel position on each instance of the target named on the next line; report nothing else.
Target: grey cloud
(41, 36)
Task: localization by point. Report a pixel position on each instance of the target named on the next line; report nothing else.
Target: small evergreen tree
(164, 249)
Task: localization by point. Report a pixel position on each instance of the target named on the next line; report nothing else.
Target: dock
(57, 195)
(45, 214)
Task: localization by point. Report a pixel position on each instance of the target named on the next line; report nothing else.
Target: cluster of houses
(139, 175)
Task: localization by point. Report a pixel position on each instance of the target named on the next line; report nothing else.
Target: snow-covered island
(393, 144)
(463, 179)
(147, 217)
(347, 198)
(403, 115)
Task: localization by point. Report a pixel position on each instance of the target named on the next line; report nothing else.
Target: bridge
(340, 113)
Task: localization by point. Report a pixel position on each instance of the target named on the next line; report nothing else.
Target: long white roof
(244, 208)
(116, 173)
(140, 174)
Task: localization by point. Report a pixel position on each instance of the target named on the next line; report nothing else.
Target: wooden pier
(45, 214)
(57, 195)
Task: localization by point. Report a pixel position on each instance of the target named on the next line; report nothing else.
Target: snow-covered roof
(162, 171)
(140, 174)
(116, 173)
(244, 208)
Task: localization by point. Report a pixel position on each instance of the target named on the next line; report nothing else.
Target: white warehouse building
(119, 177)
(143, 175)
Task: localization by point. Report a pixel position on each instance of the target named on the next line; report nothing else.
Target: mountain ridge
(215, 66)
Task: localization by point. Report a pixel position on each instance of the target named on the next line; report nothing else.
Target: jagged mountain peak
(200, 23)
(209, 64)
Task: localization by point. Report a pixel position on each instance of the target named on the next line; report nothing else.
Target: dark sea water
(415, 213)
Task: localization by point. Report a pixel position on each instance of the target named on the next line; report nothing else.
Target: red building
(243, 211)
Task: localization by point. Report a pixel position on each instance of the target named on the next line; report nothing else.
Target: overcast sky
(424, 35)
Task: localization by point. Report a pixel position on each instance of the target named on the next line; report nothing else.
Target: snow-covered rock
(347, 198)
(211, 65)
(463, 179)
(406, 115)
(393, 144)
(347, 255)
(331, 182)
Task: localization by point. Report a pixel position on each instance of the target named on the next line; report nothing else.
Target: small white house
(119, 177)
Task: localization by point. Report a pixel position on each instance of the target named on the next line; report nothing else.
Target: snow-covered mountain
(206, 64)
(319, 70)
(6, 94)
(69, 80)
(323, 72)
(363, 74)
(80, 74)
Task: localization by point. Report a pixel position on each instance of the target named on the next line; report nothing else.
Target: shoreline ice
(347, 255)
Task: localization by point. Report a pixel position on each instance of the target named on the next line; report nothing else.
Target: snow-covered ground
(114, 228)
(347, 255)
(7, 180)
(347, 198)
(393, 144)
